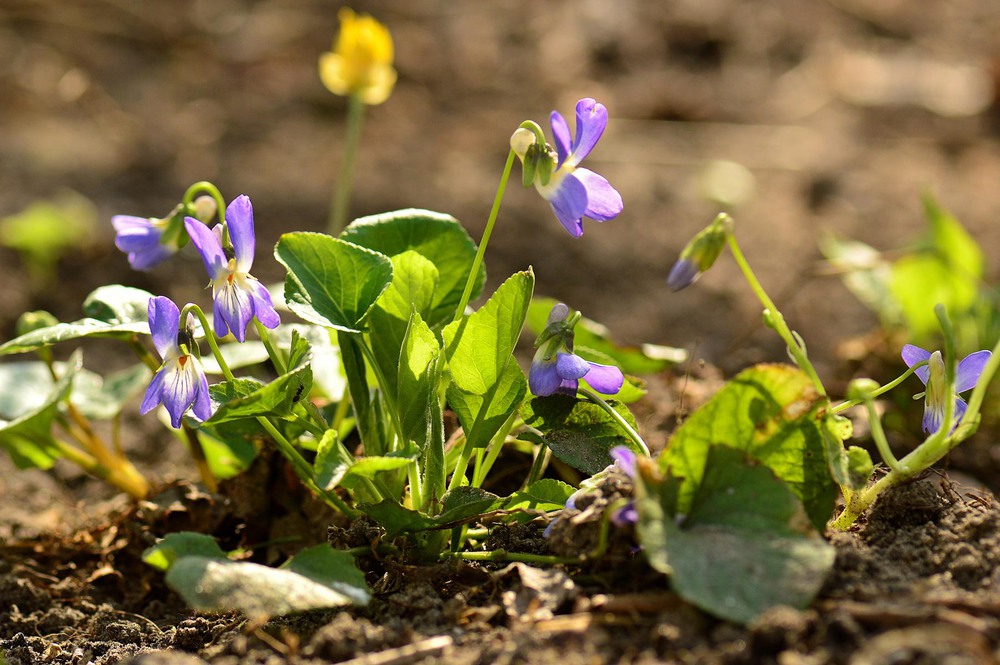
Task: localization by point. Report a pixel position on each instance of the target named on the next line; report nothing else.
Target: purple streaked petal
(263, 308)
(569, 202)
(914, 354)
(543, 379)
(682, 275)
(571, 366)
(605, 379)
(234, 307)
(932, 419)
(561, 135)
(208, 246)
(164, 323)
(968, 371)
(625, 458)
(202, 407)
(180, 386)
(603, 201)
(591, 119)
(152, 398)
(239, 221)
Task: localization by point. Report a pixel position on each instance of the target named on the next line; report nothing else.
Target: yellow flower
(361, 60)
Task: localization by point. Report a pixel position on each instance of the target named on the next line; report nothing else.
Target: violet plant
(371, 342)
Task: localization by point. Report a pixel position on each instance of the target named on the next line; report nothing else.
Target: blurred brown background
(796, 116)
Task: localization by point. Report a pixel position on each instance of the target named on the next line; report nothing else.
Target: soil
(840, 111)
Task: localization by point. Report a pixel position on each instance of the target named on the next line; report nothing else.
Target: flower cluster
(227, 250)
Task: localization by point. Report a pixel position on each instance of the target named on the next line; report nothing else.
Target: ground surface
(843, 111)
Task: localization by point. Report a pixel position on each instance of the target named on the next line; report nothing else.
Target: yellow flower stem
(490, 223)
(795, 346)
(342, 191)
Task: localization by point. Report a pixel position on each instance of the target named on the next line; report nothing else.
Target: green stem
(265, 337)
(458, 477)
(390, 404)
(213, 191)
(878, 435)
(504, 555)
(342, 192)
(843, 406)
(303, 469)
(200, 461)
(542, 455)
(628, 429)
(490, 223)
(795, 346)
(191, 308)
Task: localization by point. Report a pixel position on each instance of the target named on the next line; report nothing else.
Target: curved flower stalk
(572, 191)
(361, 60)
(933, 376)
(238, 296)
(180, 383)
(556, 369)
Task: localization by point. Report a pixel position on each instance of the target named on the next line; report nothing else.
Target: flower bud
(205, 209)
(521, 140)
(701, 253)
(31, 321)
(861, 389)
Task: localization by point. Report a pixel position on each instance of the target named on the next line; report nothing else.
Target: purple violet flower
(238, 296)
(933, 376)
(556, 369)
(180, 382)
(141, 238)
(572, 191)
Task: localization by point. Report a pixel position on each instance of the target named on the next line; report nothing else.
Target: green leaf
(437, 237)
(248, 398)
(317, 578)
(113, 311)
(947, 268)
(579, 432)
(865, 274)
(414, 280)
(229, 447)
(463, 503)
(29, 402)
(482, 416)
(767, 412)
(590, 334)
(852, 467)
(103, 398)
(396, 519)
(330, 282)
(544, 494)
(480, 346)
(117, 304)
(418, 403)
(173, 546)
(745, 546)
